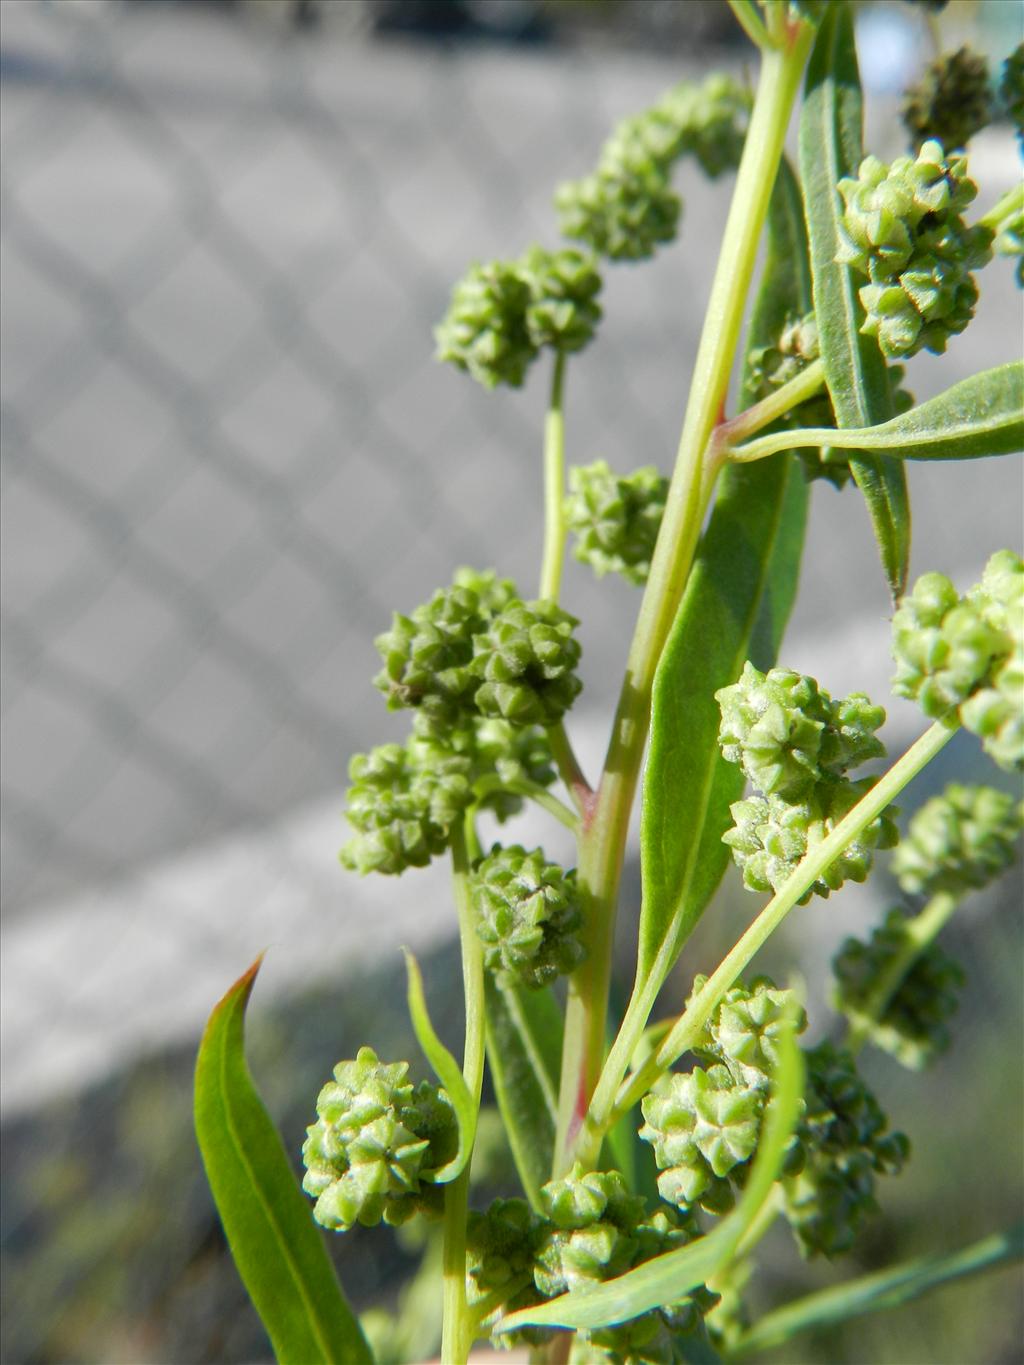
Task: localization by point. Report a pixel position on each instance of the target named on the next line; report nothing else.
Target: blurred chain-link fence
(228, 456)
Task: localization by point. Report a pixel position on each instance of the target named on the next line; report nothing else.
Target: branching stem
(603, 839)
(745, 424)
(687, 1029)
(533, 791)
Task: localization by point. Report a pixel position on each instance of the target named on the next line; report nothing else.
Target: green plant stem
(1007, 207)
(805, 385)
(555, 533)
(533, 791)
(602, 843)
(688, 1028)
(458, 1327)
(750, 22)
(568, 767)
(554, 487)
(918, 934)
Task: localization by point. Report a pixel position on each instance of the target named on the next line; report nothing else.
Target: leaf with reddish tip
(277, 1248)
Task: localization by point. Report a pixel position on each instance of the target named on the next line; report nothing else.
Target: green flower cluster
(591, 1229)
(528, 915)
(845, 1145)
(615, 518)
(405, 799)
(503, 313)
(902, 228)
(951, 102)
(795, 744)
(477, 650)
(968, 653)
(428, 655)
(627, 207)
(526, 662)
(402, 804)
(701, 1124)
(501, 1247)
(704, 1125)
(913, 1026)
(959, 841)
(375, 1144)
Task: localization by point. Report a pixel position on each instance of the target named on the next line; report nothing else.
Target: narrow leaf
(979, 417)
(524, 1049)
(666, 1279)
(447, 1070)
(741, 588)
(880, 1291)
(831, 147)
(276, 1245)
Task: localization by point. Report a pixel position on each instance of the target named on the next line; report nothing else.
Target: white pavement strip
(91, 982)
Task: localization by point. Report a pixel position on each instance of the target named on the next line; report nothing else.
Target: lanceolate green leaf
(980, 416)
(447, 1070)
(830, 147)
(666, 1279)
(886, 1289)
(275, 1243)
(741, 589)
(524, 1049)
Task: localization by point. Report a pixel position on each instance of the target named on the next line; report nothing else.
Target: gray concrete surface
(228, 455)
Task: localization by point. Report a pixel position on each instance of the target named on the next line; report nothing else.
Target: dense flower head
(427, 654)
(503, 313)
(615, 518)
(951, 102)
(788, 735)
(913, 1025)
(959, 841)
(596, 1229)
(402, 803)
(746, 1028)
(903, 228)
(773, 835)
(846, 1142)
(501, 1246)
(796, 744)
(476, 651)
(563, 311)
(701, 1124)
(704, 1126)
(623, 211)
(484, 331)
(374, 1144)
(626, 208)
(968, 652)
(709, 121)
(525, 664)
(996, 711)
(528, 915)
